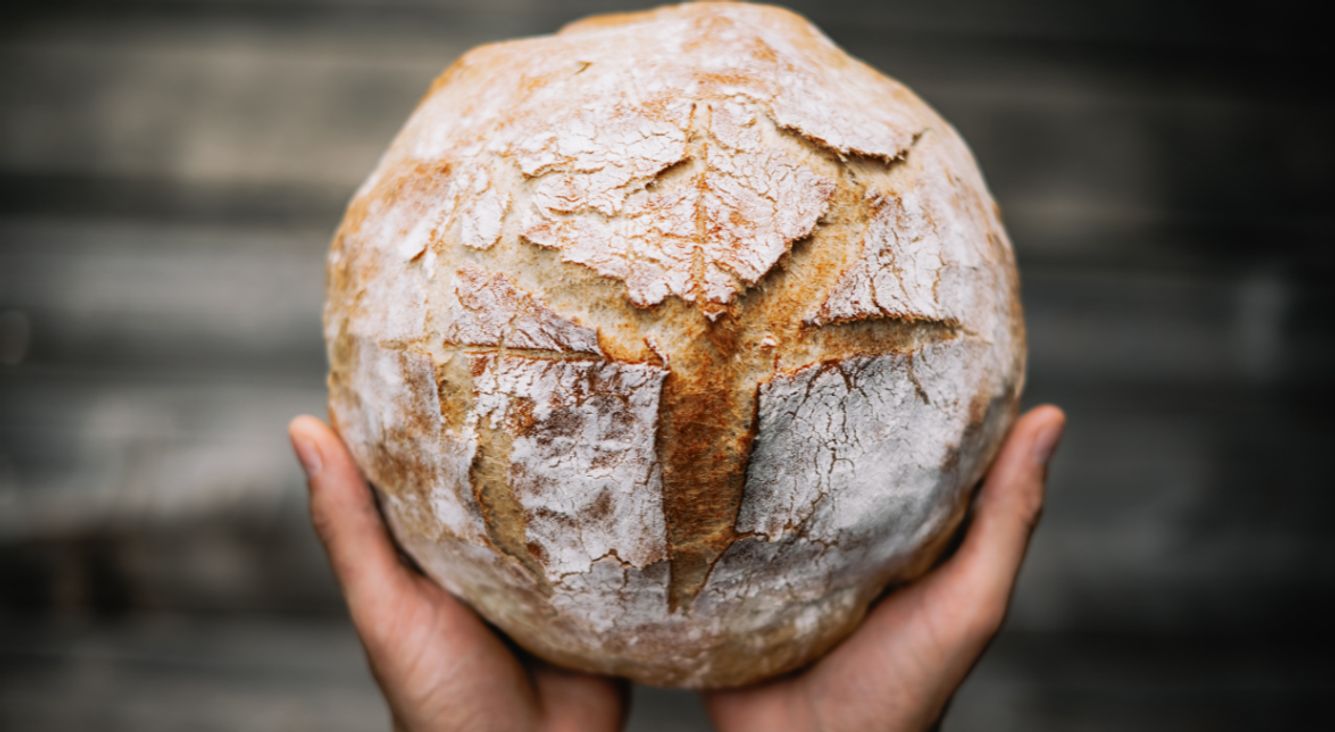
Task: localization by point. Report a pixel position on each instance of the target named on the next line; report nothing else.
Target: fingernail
(1046, 443)
(308, 454)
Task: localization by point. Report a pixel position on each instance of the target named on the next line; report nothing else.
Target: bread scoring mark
(842, 486)
(502, 514)
(595, 158)
(493, 311)
(854, 427)
(538, 423)
(708, 419)
(590, 168)
(537, 354)
(581, 460)
(922, 254)
(917, 385)
(702, 235)
(453, 499)
(419, 207)
(703, 440)
(899, 269)
(410, 446)
(809, 85)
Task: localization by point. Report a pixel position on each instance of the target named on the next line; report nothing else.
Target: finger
(578, 701)
(345, 518)
(983, 571)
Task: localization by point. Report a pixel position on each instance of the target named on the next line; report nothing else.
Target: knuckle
(1032, 515)
(1030, 506)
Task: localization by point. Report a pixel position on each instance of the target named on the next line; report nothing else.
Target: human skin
(440, 667)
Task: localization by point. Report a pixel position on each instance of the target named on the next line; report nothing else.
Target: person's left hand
(439, 666)
(901, 667)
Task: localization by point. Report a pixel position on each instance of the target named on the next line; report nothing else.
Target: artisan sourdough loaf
(670, 340)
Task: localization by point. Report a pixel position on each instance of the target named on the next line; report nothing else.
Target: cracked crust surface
(670, 339)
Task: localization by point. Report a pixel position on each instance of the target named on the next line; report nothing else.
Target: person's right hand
(439, 666)
(901, 667)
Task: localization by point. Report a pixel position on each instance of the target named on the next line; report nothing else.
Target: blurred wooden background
(171, 171)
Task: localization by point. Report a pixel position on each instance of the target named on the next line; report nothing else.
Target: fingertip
(344, 515)
(305, 434)
(1048, 422)
(1029, 445)
(1007, 510)
(1046, 413)
(1015, 483)
(312, 437)
(305, 424)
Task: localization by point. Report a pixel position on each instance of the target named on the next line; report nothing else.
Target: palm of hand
(896, 672)
(899, 670)
(427, 625)
(441, 668)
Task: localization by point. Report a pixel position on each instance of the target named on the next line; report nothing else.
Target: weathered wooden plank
(85, 456)
(193, 112)
(1168, 327)
(199, 675)
(162, 298)
(1048, 229)
(179, 102)
(1119, 681)
(1142, 23)
(166, 298)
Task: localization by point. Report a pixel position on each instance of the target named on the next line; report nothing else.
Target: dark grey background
(170, 173)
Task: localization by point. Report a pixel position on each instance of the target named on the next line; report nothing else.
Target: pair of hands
(441, 668)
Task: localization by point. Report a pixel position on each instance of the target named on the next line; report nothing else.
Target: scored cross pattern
(641, 330)
(716, 355)
(584, 313)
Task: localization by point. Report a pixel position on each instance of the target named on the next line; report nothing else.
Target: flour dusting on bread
(670, 339)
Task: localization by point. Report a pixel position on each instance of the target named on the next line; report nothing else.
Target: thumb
(982, 572)
(346, 520)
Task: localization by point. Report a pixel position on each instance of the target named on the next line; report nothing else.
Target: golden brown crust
(671, 339)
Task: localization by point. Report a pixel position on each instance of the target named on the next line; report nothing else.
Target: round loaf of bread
(670, 340)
